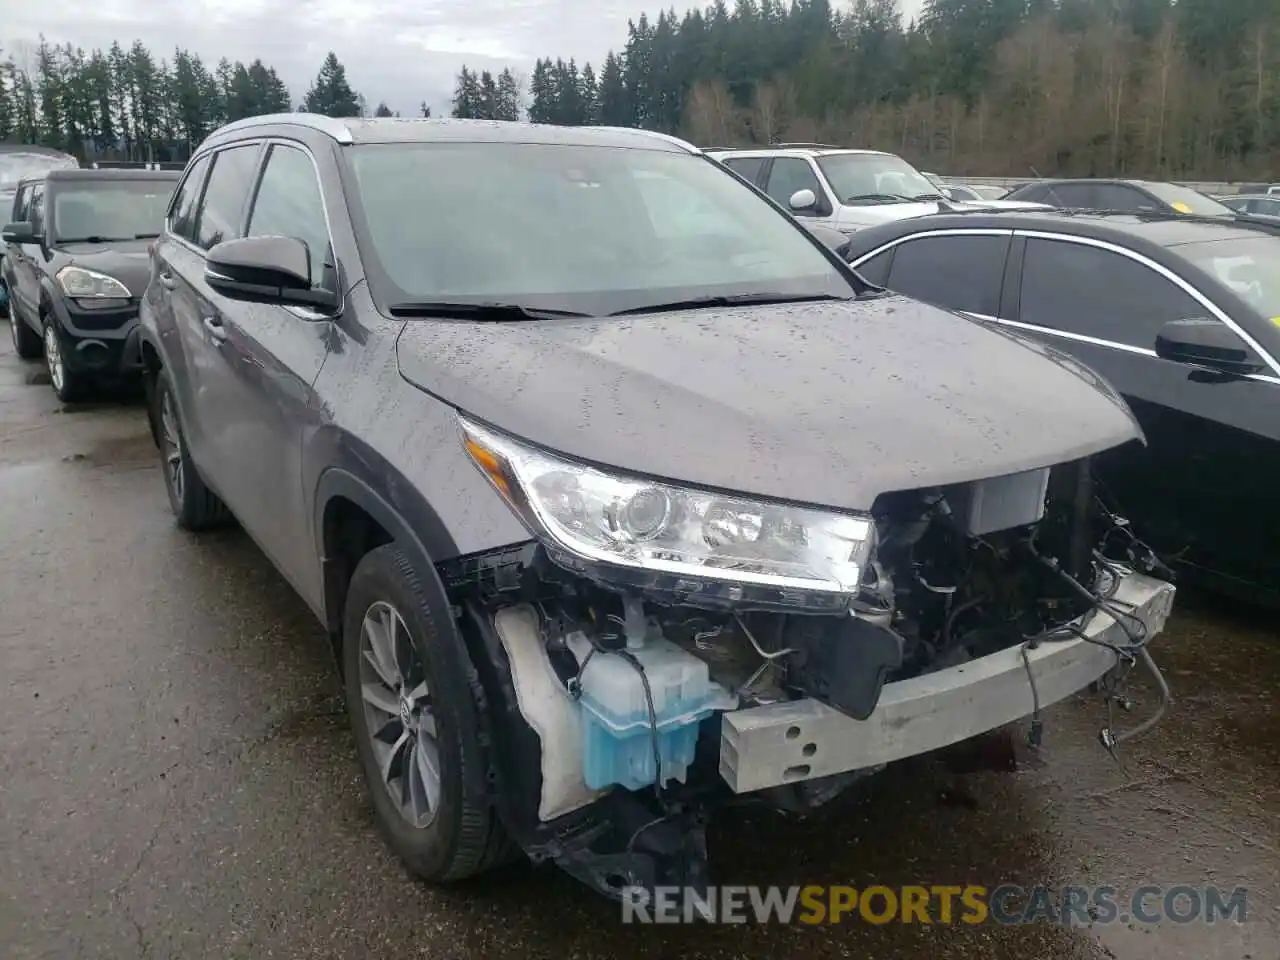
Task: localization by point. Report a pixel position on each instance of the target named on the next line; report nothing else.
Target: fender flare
(337, 482)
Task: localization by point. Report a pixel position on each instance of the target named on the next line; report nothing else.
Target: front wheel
(414, 697)
(68, 384)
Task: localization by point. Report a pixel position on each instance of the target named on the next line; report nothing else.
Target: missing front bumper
(804, 739)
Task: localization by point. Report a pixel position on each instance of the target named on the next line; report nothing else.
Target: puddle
(37, 378)
(133, 451)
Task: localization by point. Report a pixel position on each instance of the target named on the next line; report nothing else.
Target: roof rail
(807, 146)
(334, 127)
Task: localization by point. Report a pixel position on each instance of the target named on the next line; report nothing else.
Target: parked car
(1259, 204)
(607, 526)
(1179, 314)
(1120, 196)
(845, 190)
(76, 266)
(1262, 188)
(19, 161)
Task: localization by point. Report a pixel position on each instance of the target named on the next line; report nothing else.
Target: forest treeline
(1187, 90)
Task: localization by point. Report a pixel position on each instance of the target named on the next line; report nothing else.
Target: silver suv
(841, 188)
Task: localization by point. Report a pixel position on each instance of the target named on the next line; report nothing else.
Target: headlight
(690, 542)
(81, 284)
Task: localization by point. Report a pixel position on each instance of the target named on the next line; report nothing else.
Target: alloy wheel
(398, 714)
(53, 357)
(171, 446)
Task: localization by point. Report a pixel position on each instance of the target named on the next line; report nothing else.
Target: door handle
(167, 281)
(215, 328)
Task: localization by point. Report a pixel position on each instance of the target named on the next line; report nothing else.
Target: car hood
(873, 214)
(827, 403)
(127, 260)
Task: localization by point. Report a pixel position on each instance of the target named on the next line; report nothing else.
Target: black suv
(618, 492)
(75, 267)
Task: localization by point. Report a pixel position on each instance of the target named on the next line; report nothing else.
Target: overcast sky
(400, 52)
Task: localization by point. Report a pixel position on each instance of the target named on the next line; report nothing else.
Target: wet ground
(177, 778)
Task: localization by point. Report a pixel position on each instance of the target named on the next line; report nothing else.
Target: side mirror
(265, 270)
(19, 232)
(803, 200)
(1206, 343)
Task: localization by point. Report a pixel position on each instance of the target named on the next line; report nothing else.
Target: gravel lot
(177, 778)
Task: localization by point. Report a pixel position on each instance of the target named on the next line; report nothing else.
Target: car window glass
(20, 204)
(747, 167)
(790, 174)
(877, 268)
(1110, 196)
(1078, 195)
(222, 207)
(1082, 289)
(183, 208)
(110, 209)
(36, 212)
(678, 210)
(957, 272)
(289, 204)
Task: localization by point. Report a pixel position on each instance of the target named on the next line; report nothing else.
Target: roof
(430, 130)
(33, 148)
(62, 176)
(784, 149)
(1160, 230)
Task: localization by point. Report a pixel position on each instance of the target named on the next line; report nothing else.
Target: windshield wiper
(922, 197)
(492, 311)
(145, 236)
(878, 198)
(94, 238)
(733, 300)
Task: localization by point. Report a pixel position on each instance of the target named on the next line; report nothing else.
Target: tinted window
(20, 203)
(959, 273)
(789, 174)
(877, 268)
(1185, 200)
(747, 167)
(289, 204)
(182, 212)
(222, 208)
(589, 228)
(1032, 193)
(1112, 196)
(1265, 206)
(1081, 289)
(35, 213)
(110, 209)
(1079, 195)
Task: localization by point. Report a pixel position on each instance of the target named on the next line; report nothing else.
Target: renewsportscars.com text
(936, 904)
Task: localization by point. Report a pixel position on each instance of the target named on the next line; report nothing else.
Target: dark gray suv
(620, 495)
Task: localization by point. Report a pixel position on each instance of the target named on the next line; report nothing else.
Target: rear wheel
(26, 342)
(414, 700)
(195, 506)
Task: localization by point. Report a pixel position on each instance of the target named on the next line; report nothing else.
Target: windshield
(1249, 267)
(589, 229)
(1186, 200)
(101, 210)
(861, 178)
(15, 166)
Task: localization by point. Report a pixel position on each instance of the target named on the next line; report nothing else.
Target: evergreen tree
(382, 110)
(508, 97)
(330, 93)
(467, 97)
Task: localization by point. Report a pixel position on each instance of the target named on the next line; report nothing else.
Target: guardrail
(1009, 183)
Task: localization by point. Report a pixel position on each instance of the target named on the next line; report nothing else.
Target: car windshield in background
(100, 211)
(868, 178)
(588, 229)
(1250, 267)
(15, 166)
(1186, 200)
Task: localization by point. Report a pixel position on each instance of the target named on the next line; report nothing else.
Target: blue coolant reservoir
(617, 738)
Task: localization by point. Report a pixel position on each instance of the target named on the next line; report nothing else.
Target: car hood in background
(827, 403)
(126, 260)
(852, 217)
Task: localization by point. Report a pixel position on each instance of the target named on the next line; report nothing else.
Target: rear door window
(746, 167)
(955, 272)
(1082, 289)
(223, 206)
(182, 210)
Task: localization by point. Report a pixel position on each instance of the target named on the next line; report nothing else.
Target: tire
(194, 505)
(459, 835)
(68, 385)
(26, 342)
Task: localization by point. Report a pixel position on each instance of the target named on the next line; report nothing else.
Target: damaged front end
(658, 651)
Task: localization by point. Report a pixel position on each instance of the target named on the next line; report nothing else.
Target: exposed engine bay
(608, 703)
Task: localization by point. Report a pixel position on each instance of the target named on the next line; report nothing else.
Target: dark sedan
(1181, 314)
(1120, 196)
